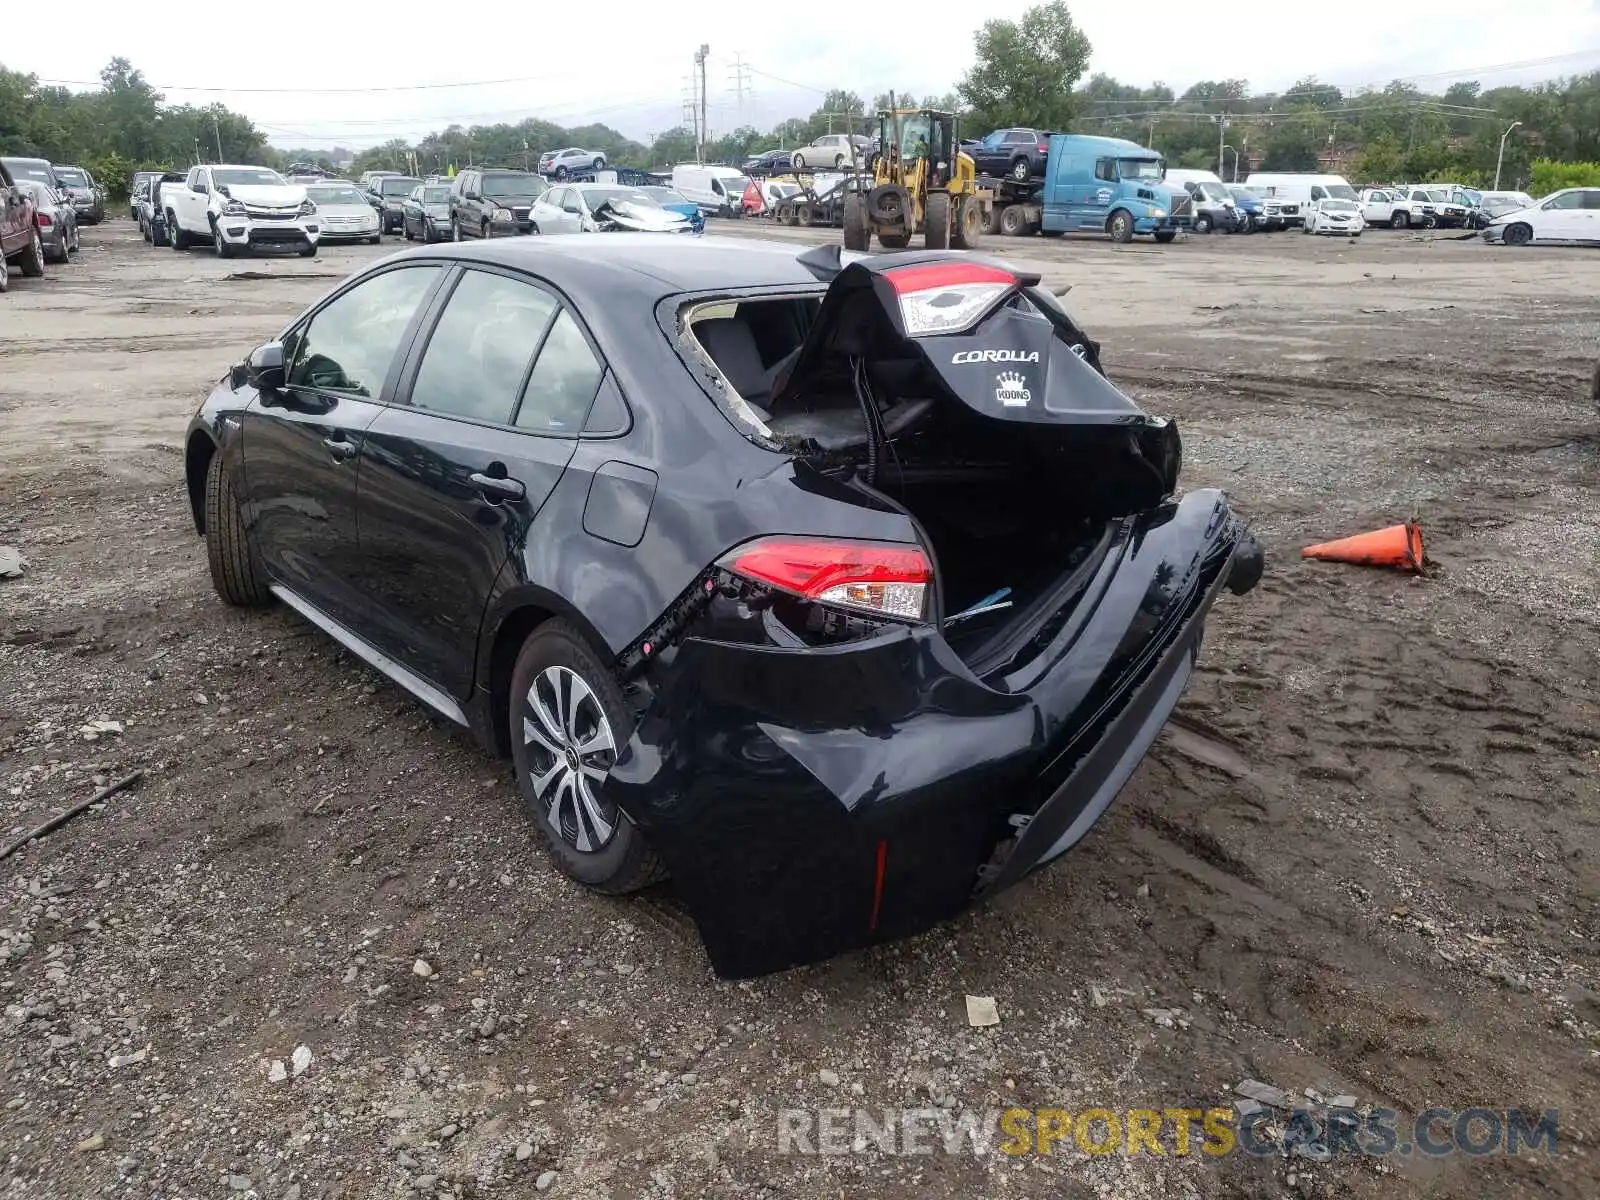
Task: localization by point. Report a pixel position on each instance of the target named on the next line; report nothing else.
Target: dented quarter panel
(766, 778)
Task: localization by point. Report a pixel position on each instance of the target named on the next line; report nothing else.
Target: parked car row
(39, 217)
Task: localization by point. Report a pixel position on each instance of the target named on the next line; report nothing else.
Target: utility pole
(700, 57)
(1501, 157)
(216, 128)
(1222, 130)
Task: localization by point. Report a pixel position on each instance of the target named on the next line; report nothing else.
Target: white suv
(831, 150)
(237, 209)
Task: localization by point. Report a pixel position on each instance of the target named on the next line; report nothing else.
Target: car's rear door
(453, 480)
(303, 444)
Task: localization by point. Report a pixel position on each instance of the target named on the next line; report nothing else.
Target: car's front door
(1559, 218)
(303, 444)
(1587, 218)
(453, 480)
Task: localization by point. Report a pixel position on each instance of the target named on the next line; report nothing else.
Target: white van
(719, 191)
(1296, 192)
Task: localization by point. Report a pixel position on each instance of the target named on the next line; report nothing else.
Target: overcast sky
(627, 63)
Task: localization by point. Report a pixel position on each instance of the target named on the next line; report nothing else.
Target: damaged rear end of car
(980, 605)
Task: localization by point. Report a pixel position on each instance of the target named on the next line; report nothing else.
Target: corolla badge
(1011, 389)
(977, 356)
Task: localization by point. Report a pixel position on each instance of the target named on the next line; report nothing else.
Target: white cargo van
(1295, 192)
(719, 191)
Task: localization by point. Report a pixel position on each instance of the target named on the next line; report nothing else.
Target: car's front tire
(235, 573)
(309, 250)
(568, 722)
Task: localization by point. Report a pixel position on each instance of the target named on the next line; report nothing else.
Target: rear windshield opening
(1010, 502)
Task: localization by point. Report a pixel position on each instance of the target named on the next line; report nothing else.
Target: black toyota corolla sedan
(841, 591)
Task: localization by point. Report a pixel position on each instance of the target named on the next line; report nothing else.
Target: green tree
(1380, 160)
(1025, 70)
(1292, 146)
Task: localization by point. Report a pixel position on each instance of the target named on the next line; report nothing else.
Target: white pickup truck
(237, 209)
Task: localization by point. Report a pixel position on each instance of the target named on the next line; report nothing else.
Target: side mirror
(263, 370)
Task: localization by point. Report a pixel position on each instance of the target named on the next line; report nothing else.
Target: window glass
(1105, 169)
(350, 345)
(563, 382)
(1567, 200)
(1591, 198)
(479, 351)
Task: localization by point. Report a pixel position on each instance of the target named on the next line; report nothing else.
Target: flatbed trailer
(1017, 209)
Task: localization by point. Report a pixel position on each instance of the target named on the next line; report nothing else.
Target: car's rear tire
(1013, 221)
(1519, 234)
(65, 253)
(599, 163)
(561, 172)
(235, 572)
(405, 228)
(568, 722)
(176, 237)
(1021, 170)
(5, 275)
(31, 260)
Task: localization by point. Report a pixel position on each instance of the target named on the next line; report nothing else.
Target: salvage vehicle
(1296, 191)
(37, 169)
(1382, 206)
(1255, 210)
(19, 232)
(490, 202)
(562, 163)
(769, 162)
(88, 197)
(152, 209)
(236, 209)
(141, 179)
(1019, 154)
(388, 198)
(836, 150)
(1333, 216)
(844, 591)
(671, 200)
(1492, 205)
(426, 213)
(1433, 206)
(719, 191)
(346, 214)
(1212, 205)
(56, 218)
(603, 208)
(1570, 215)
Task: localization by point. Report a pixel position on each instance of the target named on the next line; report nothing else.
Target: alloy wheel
(570, 752)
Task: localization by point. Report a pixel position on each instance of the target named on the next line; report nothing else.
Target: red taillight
(889, 579)
(44, 220)
(947, 297)
(1044, 149)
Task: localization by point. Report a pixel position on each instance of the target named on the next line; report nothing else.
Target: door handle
(498, 487)
(339, 448)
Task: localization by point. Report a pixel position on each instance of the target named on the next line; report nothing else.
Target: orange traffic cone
(1397, 546)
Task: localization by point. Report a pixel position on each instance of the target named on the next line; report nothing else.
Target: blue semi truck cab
(1110, 185)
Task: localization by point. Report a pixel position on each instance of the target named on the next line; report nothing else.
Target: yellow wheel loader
(921, 181)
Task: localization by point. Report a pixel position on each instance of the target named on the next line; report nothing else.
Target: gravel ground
(316, 952)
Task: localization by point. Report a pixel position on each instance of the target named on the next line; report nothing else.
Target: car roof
(660, 264)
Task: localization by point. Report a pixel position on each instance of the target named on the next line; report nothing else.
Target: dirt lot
(1388, 888)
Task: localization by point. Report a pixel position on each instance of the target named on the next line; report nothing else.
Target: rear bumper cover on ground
(808, 801)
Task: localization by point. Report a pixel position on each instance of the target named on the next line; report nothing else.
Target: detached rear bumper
(809, 801)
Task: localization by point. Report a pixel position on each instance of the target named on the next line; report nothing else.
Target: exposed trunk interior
(1009, 508)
